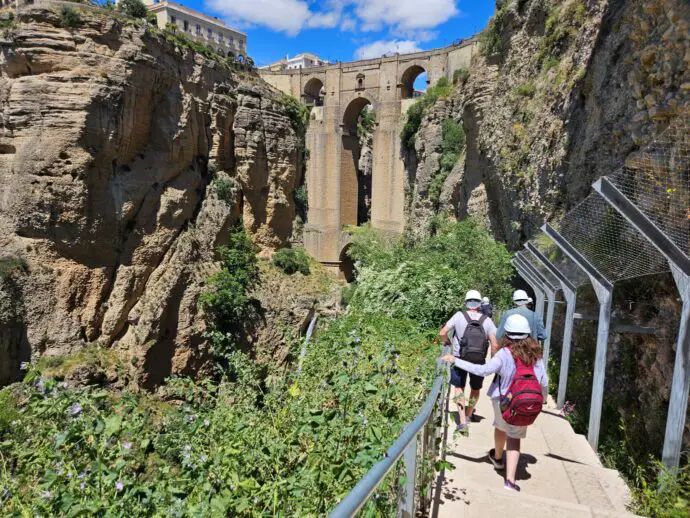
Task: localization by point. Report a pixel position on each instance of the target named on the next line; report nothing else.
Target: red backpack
(522, 403)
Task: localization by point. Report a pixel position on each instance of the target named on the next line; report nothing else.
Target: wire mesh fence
(611, 244)
(657, 180)
(556, 256)
(530, 259)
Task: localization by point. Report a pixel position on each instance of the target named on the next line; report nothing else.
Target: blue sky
(347, 29)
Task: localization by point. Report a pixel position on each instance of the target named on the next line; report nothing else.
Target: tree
(133, 8)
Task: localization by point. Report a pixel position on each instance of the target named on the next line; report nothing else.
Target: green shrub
(152, 18)
(10, 265)
(426, 283)
(416, 111)
(491, 38)
(526, 89)
(301, 197)
(297, 112)
(346, 293)
(224, 188)
(366, 121)
(133, 8)
(8, 411)
(452, 146)
(292, 260)
(228, 300)
(69, 17)
(460, 76)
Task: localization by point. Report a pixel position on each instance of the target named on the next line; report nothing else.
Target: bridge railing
(418, 443)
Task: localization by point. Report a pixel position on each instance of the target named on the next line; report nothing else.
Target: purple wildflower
(207, 422)
(119, 485)
(127, 445)
(75, 410)
(82, 486)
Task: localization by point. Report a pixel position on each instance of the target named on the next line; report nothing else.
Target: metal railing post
(604, 290)
(407, 505)
(680, 386)
(604, 294)
(570, 301)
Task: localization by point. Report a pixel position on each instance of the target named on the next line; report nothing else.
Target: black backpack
(474, 343)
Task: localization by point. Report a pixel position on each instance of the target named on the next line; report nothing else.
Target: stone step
(542, 476)
(477, 501)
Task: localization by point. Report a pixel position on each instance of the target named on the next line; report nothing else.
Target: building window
(173, 20)
(210, 33)
(221, 38)
(198, 29)
(186, 25)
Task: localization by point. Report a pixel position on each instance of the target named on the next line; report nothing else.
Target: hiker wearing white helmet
(517, 393)
(536, 323)
(472, 331)
(487, 308)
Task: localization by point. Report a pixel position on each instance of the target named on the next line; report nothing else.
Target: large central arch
(351, 185)
(407, 80)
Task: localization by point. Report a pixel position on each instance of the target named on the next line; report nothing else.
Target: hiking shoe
(474, 418)
(498, 463)
(462, 429)
(510, 486)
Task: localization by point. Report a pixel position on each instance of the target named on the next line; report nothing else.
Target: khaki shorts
(514, 432)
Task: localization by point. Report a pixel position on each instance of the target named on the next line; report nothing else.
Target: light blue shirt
(536, 324)
(503, 364)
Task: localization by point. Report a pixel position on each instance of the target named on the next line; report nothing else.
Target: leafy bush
(452, 145)
(460, 76)
(8, 412)
(224, 188)
(228, 299)
(427, 282)
(526, 89)
(416, 111)
(11, 264)
(491, 38)
(301, 197)
(69, 17)
(366, 121)
(346, 293)
(133, 8)
(297, 112)
(292, 260)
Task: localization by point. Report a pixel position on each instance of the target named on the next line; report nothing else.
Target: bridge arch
(407, 79)
(314, 92)
(355, 185)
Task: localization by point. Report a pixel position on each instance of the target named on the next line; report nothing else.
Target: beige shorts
(514, 432)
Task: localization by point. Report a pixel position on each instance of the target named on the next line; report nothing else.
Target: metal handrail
(406, 444)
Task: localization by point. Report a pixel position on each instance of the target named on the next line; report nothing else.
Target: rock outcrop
(124, 160)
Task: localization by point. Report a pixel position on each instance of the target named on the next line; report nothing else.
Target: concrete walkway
(559, 474)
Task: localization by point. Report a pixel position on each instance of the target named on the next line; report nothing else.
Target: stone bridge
(337, 94)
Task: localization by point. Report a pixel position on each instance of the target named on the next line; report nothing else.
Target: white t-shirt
(458, 323)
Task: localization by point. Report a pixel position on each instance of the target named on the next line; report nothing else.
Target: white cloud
(406, 19)
(404, 15)
(289, 16)
(381, 47)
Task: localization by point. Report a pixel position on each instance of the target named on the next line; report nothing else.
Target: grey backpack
(474, 343)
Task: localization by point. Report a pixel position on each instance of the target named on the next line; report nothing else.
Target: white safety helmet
(517, 327)
(473, 295)
(485, 300)
(520, 296)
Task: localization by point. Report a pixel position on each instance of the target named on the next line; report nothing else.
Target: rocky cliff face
(124, 159)
(568, 92)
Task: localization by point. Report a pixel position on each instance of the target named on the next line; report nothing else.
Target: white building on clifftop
(304, 60)
(199, 27)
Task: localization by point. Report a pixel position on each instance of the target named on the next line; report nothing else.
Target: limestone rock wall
(107, 133)
(578, 87)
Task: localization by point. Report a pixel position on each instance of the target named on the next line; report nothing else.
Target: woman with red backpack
(517, 393)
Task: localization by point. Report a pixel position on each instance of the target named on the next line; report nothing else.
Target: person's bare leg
(460, 402)
(474, 397)
(499, 443)
(512, 458)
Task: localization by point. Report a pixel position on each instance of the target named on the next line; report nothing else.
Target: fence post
(604, 294)
(549, 325)
(410, 457)
(570, 301)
